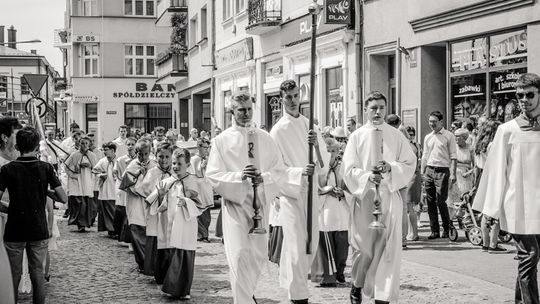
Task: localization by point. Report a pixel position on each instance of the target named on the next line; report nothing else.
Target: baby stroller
(469, 221)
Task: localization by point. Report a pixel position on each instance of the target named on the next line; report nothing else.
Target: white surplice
(135, 205)
(177, 223)
(80, 179)
(334, 213)
(206, 193)
(121, 146)
(119, 169)
(107, 189)
(148, 185)
(290, 135)
(247, 253)
(377, 253)
(510, 186)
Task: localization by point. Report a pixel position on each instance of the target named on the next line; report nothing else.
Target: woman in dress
(465, 166)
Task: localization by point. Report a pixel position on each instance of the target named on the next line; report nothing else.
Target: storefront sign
(505, 81)
(469, 55)
(146, 90)
(299, 30)
(111, 112)
(508, 48)
(338, 11)
(274, 71)
(85, 98)
(409, 117)
(85, 38)
(236, 53)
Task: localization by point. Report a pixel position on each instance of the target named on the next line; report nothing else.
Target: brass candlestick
(253, 159)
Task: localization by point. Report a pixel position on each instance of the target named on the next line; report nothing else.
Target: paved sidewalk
(92, 268)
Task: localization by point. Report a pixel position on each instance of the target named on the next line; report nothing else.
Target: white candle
(376, 147)
(253, 155)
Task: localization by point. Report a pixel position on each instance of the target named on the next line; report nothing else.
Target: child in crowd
(107, 188)
(177, 233)
(153, 177)
(135, 205)
(121, 226)
(81, 185)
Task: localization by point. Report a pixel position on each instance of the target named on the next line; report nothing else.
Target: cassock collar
(440, 131)
(290, 117)
(371, 125)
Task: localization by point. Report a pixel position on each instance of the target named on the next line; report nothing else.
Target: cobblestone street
(92, 268)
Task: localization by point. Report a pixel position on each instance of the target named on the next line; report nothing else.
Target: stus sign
(338, 11)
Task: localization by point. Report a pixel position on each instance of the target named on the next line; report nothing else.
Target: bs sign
(338, 11)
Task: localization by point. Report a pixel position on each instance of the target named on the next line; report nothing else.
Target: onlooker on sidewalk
(438, 170)
(28, 180)
(510, 187)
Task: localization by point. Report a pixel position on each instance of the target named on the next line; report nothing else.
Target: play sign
(338, 11)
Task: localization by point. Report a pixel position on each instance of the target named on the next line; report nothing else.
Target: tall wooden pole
(313, 10)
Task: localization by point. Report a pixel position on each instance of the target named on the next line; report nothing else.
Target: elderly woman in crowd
(465, 165)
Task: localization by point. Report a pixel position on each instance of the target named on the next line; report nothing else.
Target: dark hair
(182, 153)
(27, 140)
(123, 127)
(469, 126)
(352, 120)
(486, 133)
(7, 126)
(374, 95)
(437, 114)
(410, 129)
(159, 129)
(85, 137)
(201, 141)
(73, 125)
(131, 138)
(458, 123)
(287, 85)
(165, 146)
(393, 120)
(109, 145)
(528, 80)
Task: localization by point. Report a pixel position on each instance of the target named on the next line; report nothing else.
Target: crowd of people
(154, 193)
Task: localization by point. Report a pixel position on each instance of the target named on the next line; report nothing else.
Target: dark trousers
(138, 241)
(436, 185)
(36, 251)
(528, 247)
(203, 222)
(333, 249)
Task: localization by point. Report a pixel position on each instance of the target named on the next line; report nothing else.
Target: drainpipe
(213, 63)
(359, 42)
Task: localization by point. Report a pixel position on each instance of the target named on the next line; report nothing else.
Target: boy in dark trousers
(28, 181)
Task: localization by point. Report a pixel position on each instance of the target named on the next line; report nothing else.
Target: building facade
(458, 57)
(111, 51)
(14, 91)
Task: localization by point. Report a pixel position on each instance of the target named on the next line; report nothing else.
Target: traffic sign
(35, 81)
(41, 106)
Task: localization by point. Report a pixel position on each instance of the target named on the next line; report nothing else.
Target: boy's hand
(312, 138)
(161, 190)
(309, 170)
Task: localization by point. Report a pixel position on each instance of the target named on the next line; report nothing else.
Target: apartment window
(90, 56)
(227, 9)
(139, 60)
(240, 6)
(204, 21)
(139, 8)
(89, 7)
(147, 116)
(3, 90)
(25, 88)
(192, 31)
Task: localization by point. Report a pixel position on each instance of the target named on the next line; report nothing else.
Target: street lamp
(313, 9)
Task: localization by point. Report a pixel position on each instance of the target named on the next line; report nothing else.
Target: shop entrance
(273, 110)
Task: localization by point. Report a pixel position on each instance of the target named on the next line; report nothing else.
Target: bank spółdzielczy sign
(338, 11)
(144, 90)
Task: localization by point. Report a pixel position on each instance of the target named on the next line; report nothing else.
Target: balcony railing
(165, 8)
(171, 65)
(264, 16)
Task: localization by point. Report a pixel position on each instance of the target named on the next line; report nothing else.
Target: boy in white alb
(121, 226)
(107, 188)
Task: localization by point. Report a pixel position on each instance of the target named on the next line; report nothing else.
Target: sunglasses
(529, 95)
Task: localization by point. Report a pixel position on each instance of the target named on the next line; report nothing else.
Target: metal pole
(12, 95)
(313, 9)
(358, 41)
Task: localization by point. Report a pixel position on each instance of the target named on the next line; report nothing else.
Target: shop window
(92, 118)
(139, 8)
(303, 82)
(139, 60)
(90, 59)
(206, 116)
(146, 117)
(499, 59)
(334, 105)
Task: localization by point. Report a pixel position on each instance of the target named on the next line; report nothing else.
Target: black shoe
(303, 301)
(433, 236)
(340, 278)
(47, 278)
(445, 235)
(485, 248)
(356, 295)
(381, 302)
(327, 285)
